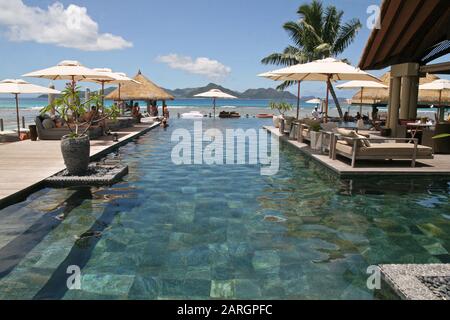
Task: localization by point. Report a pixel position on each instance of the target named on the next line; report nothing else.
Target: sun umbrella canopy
(19, 86)
(215, 93)
(286, 77)
(358, 84)
(115, 77)
(22, 87)
(441, 86)
(438, 85)
(68, 70)
(322, 70)
(372, 96)
(362, 84)
(314, 101)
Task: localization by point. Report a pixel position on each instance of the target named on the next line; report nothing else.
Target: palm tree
(319, 33)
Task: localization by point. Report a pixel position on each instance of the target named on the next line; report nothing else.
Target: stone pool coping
(404, 279)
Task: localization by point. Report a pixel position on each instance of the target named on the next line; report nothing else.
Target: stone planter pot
(76, 152)
(316, 140)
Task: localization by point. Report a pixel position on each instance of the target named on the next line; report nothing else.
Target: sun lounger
(362, 148)
(57, 133)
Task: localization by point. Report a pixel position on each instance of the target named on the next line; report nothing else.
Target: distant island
(261, 93)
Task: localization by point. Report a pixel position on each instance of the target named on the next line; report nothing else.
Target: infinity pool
(219, 232)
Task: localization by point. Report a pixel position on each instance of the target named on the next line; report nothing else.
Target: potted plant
(282, 108)
(75, 146)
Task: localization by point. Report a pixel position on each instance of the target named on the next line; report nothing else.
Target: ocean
(30, 107)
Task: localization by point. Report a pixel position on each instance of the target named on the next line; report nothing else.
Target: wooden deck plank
(26, 164)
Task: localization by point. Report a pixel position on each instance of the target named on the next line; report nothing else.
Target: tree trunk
(336, 101)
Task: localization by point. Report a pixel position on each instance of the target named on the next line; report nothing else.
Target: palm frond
(347, 34)
(312, 14)
(286, 84)
(295, 31)
(332, 22)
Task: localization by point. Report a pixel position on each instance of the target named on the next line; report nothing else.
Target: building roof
(411, 31)
(145, 90)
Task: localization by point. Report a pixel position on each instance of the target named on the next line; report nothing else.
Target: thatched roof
(145, 90)
(373, 96)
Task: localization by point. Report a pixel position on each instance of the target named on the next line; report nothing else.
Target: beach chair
(355, 147)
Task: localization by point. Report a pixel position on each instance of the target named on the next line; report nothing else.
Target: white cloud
(69, 27)
(212, 69)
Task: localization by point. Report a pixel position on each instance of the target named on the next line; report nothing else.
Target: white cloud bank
(69, 27)
(212, 69)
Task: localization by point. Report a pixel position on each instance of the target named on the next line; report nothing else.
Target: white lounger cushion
(385, 149)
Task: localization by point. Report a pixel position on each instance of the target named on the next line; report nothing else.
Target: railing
(2, 124)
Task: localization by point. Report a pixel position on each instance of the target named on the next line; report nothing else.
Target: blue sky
(233, 35)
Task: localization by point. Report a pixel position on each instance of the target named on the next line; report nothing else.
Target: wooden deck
(439, 166)
(25, 165)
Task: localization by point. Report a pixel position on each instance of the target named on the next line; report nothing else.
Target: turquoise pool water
(205, 232)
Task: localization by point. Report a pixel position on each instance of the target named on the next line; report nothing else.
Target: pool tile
(107, 284)
(223, 289)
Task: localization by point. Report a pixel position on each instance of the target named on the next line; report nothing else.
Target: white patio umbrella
(361, 85)
(17, 87)
(437, 85)
(277, 77)
(440, 86)
(68, 70)
(215, 94)
(315, 101)
(115, 78)
(327, 70)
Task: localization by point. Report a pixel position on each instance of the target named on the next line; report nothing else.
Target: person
(346, 117)
(375, 113)
(165, 111)
(316, 113)
(358, 116)
(164, 123)
(136, 112)
(154, 109)
(90, 115)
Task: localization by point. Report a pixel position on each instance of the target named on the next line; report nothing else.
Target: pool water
(220, 232)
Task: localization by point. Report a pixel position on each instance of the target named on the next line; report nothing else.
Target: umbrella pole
(361, 106)
(17, 114)
(298, 101)
(214, 101)
(325, 119)
(103, 97)
(441, 110)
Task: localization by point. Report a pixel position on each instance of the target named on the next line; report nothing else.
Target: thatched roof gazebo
(145, 90)
(381, 96)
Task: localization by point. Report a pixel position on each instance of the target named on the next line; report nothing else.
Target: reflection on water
(223, 231)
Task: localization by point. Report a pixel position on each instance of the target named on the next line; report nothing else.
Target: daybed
(349, 144)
